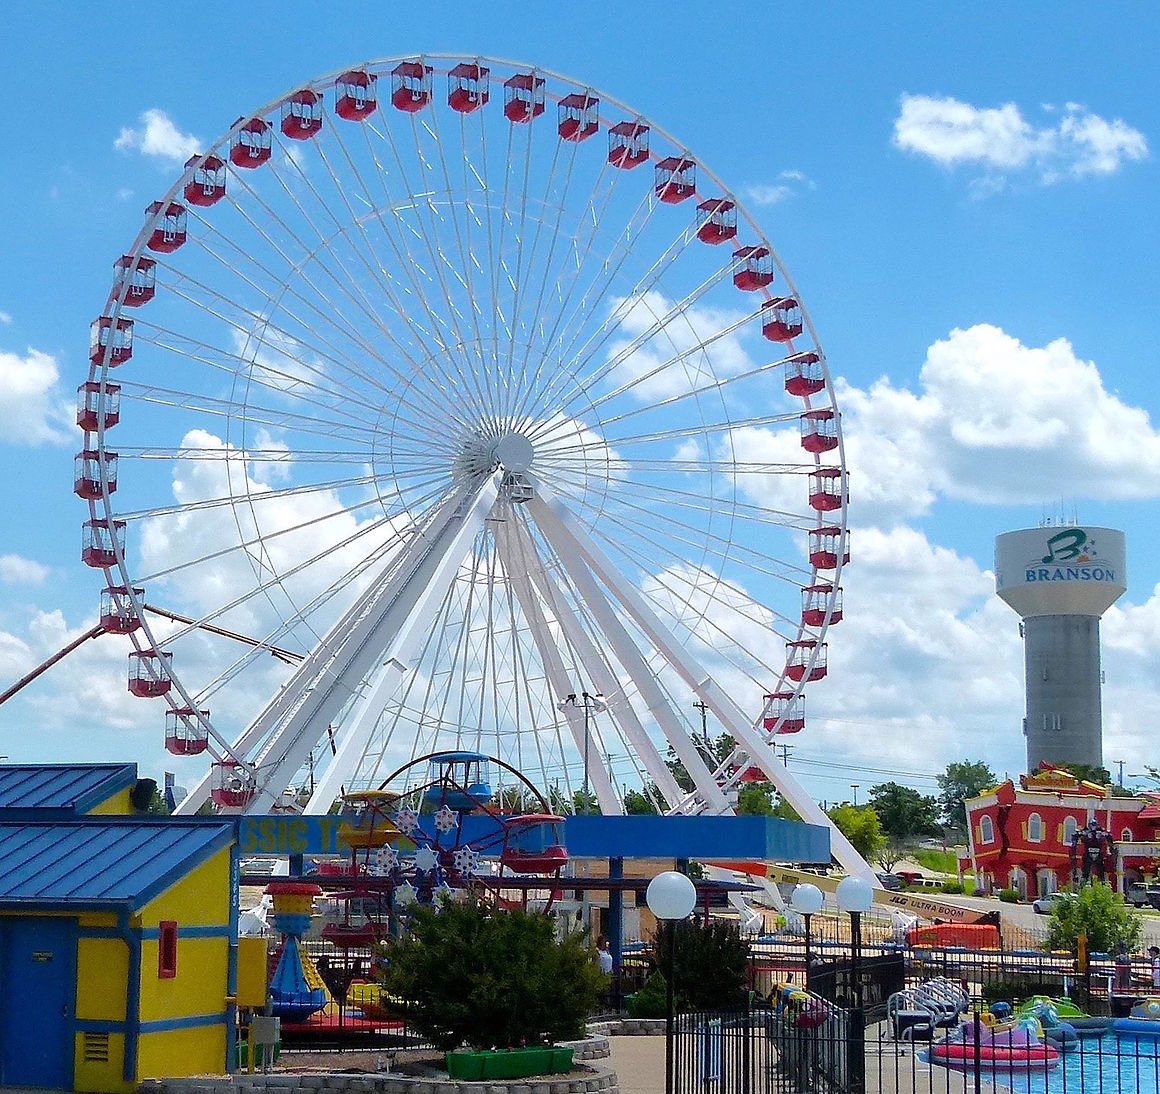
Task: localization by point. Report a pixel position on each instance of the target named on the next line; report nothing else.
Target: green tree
(1092, 773)
(491, 978)
(962, 780)
(860, 825)
(1098, 912)
(714, 752)
(643, 801)
(904, 813)
(755, 799)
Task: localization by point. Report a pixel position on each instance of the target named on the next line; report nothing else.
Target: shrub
(650, 1001)
(710, 965)
(1099, 912)
(1008, 896)
(491, 978)
(951, 887)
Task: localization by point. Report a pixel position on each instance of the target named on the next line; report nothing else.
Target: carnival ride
(463, 406)
(439, 834)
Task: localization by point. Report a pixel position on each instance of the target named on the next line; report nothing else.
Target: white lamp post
(806, 900)
(855, 897)
(670, 896)
(590, 704)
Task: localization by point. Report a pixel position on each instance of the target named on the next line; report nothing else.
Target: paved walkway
(639, 1063)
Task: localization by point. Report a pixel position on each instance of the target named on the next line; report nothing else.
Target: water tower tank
(1061, 579)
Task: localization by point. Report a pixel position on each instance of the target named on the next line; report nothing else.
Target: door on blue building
(38, 968)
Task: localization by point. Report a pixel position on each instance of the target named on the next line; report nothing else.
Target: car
(1044, 905)
(890, 882)
(1143, 896)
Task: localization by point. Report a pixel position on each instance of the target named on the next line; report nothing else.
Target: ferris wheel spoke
(723, 426)
(407, 262)
(306, 374)
(569, 326)
(382, 275)
(717, 386)
(333, 314)
(677, 314)
(645, 562)
(337, 318)
(468, 269)
(574, 259)
(321, 319)
(422, 202)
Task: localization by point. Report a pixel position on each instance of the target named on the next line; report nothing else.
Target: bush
(1008, 896)
(1098, 912)
(491, 978)
(710, 965)
(650, 1001)
(951, 887)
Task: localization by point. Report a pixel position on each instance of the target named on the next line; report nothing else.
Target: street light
(670, 896)
(806, 900)
(854, 787)
(855, 897)
(590, 704)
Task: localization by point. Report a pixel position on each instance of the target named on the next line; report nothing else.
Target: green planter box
(511, 1063)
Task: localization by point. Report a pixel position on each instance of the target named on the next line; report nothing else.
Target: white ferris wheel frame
(377, 640)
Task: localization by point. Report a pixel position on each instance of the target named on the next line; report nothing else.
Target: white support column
(550, 511)
(597, 668)
(389, 628)
(557, 532)
(517, 566)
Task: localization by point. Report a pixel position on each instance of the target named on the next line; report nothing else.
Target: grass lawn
(931, 858)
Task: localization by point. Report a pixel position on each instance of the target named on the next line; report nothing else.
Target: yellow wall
(179, 1052)
(202, 899)
(116, 806)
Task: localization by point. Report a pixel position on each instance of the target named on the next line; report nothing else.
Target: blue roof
(68, 788)
(105, 862)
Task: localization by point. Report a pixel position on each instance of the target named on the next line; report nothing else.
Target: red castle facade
(1023, 836)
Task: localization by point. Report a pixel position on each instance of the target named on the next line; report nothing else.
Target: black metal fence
(766, 1049)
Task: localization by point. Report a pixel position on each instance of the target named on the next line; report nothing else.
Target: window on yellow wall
(167, 950)
(1035, 828)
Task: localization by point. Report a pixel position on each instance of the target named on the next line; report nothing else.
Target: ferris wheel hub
(514, 452)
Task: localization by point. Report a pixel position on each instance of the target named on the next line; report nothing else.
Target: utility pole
(854, 787)
(702, 707)
(785, 755)
(1120, 765)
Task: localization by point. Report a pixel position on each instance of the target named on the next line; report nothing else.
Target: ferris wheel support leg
(595, 665)
(517, 568)
(290, 692)
(561, 536)
(555, 514)
(391, 635)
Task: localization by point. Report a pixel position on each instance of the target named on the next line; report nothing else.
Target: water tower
(1061, 579)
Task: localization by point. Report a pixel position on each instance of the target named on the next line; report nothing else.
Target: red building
(1021, 837)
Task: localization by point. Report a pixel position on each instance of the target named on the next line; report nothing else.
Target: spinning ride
(472, 388)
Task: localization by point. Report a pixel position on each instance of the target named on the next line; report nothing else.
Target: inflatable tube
(993, 1058)
(1136, 1027)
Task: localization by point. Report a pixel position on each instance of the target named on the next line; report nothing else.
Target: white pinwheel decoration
(426, 860)
(445, 819)
(407, 820)
(405, 895)
(466, 861)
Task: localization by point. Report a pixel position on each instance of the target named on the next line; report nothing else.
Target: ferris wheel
(456, 389)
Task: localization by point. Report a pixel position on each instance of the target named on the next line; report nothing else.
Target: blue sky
(989, 170)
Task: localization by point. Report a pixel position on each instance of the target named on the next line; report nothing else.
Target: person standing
(1154, 957)
(604, 954)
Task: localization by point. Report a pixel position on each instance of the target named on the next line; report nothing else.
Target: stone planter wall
(595, 1079)
(629, 1027)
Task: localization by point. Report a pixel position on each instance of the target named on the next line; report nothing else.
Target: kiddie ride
(434, 830)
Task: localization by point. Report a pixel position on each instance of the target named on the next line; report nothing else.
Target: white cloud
(33, 410)
(772, 193)
(992, 422)
(15, 570)
(158, 137)
(5, 319)
(1000, 140)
